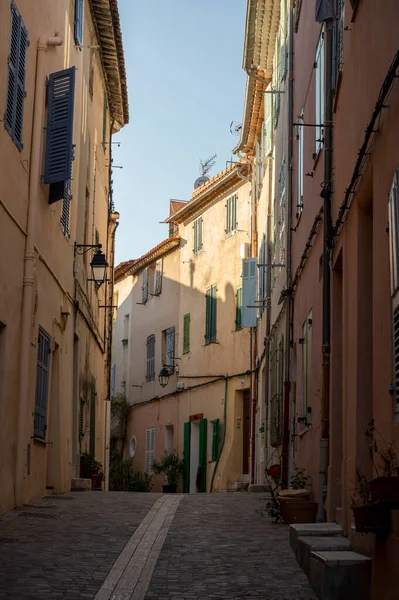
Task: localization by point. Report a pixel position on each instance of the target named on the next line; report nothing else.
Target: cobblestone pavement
(122, 546)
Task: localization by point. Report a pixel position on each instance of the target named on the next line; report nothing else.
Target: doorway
(245, 432)
(194, 456)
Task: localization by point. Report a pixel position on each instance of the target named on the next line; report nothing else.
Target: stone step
(263, 488)
(313, 543)
(78, 484)
(312, 529)
(339, 575)
(236, 486)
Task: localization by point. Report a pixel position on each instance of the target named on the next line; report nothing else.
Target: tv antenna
(206, 165)
(235, 128)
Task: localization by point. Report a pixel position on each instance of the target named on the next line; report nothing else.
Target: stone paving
(125, 546)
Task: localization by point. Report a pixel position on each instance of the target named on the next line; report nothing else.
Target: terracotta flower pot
(96, 482)
(385, 489)
(372, 518)
(298, 510)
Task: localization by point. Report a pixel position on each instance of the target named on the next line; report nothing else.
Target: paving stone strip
(130, 577)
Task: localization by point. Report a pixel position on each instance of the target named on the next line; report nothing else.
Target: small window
(186, 334)
(239, 308)
(307, 371)
(78, 22)
(144, 287)
(231, 214)
(42, 381)
(158, 278)
(65, 220)
(13, 118)
(300, 132)
(197, 235)
(150, 358)
(149, 449)
(211, 313)
(319, 68)
(168, 348)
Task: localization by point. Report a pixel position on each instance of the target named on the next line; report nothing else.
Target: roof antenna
(205, 167)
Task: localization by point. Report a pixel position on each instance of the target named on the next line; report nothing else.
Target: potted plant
(90, 468)
(369, 517)
(295, 504)
(171, 467)
(385, 487)
(273, 508)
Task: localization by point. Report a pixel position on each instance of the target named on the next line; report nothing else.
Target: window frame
(158, 273)
(42, 383)
(168, 354)
(231, 215)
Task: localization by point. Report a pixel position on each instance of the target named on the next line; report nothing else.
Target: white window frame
(149, 449)
(319, 94)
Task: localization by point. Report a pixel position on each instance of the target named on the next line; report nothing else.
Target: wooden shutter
(93, 419)
(79, 22)
(150, 357)
(144, 287)
(200, 234)
(215, 439)
(66, 208)
(239, 308)
(59, 151)
(13, 118)
(208, 313)
(396, 355)
(203, 427)
(42, 380)
(213, 312)
(170, 347)
(235, 222)
(186, 334)
(249, 266)
(186, 458)
(158, 277)
(393, 216)
(268, 121)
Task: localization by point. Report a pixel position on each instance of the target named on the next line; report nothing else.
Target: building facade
(64, 93)
(186, 317)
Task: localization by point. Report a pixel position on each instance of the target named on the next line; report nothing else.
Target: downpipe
(24, 410)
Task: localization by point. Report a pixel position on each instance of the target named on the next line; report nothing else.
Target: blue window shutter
(59, 151)
(13, 118)
(248, 318)
(42, 377)
(79, 22)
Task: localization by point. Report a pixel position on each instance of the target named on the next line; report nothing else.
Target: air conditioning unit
(180, 385)
(244, 250)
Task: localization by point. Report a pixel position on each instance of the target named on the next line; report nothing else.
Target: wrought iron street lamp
(163, 376)
(98, 264)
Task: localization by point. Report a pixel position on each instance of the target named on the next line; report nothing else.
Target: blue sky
(186, 85)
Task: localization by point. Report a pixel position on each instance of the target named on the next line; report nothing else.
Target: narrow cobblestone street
(120, 546)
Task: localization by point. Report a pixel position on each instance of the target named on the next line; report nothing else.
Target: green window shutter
(235, 212)
(239, 308)
(215, 439)
(200, 234)
(186, 334)
(186, 458)
(213, 313)
(203, 426)
(208, 315)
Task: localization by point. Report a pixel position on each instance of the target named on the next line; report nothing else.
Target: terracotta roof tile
(129, 266)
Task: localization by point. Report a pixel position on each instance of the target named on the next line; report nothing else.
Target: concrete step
(339, 575)
(312, 529)
(313, 543)
(263, 488)
(236, 486)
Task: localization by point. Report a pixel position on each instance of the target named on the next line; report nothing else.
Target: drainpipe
(24, 412)
(288, 300)
(327, 232)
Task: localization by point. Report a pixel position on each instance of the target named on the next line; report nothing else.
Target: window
(42, 378)
(268, 121)
(300, 132)
(82, 419)
(168, 348)
(125, 339)
(173, 230)
(13, 118)
(319, 67)
(66, 209)
(276, 391)
(79, 22)
(150, 357)
(338, 41)
(281, 211)
(197, 235)
(239, 308)
(158, 278)
(149, 449)
(213, 437)
(307, 371)
(211, 310)
(231, 214)
(283, 47)
(59, 149)
(144, 287)
(275, 82)
(186, 334)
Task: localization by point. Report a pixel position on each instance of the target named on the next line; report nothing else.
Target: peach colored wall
(52, 464)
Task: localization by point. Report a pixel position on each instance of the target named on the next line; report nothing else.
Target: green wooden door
(186, 458)
(203, 425)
